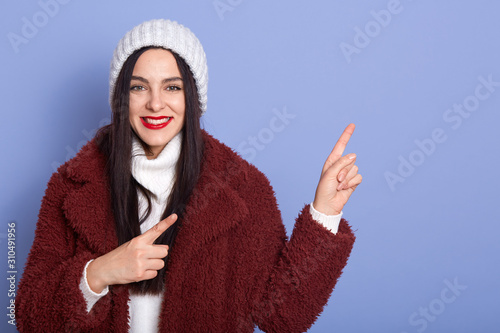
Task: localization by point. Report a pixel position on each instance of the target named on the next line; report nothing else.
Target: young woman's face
(157, 105)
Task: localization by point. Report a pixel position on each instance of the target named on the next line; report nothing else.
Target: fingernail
(352, 156)
(341, 177)
(340, 187)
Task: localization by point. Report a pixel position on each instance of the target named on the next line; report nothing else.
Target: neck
(156, 173)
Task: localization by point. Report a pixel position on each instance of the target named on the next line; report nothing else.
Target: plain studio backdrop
(420, 79)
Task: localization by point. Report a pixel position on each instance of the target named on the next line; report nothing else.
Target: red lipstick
(157, 126)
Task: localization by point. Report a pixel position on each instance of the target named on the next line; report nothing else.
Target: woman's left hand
(339, 178)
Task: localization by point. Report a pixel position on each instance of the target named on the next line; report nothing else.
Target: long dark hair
(115, 141)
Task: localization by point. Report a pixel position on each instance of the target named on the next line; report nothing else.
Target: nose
(155, 102)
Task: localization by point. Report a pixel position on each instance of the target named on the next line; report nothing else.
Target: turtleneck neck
(157, 175)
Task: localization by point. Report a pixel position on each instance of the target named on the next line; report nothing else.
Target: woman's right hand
(136, 260)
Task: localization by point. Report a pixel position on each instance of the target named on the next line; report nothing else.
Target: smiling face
(157, 104)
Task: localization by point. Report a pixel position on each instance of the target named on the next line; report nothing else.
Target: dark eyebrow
(170, 79)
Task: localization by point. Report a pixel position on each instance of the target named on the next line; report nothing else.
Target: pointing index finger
(158, 229)
(339, 148)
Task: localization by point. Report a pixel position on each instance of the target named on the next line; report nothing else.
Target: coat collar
(214, 207)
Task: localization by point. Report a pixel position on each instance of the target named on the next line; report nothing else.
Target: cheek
(133, 114)
(179, 106)
(134, 106)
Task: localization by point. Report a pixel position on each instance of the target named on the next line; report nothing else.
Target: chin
(159, 142)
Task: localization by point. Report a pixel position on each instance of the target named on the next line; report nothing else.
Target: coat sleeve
(295, 277)
(49, 298)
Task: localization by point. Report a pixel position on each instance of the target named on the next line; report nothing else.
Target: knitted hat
(169, 35)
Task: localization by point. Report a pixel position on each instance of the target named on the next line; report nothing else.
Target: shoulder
(65, 188)
(86, 166)
(224, 168)
(224, 161)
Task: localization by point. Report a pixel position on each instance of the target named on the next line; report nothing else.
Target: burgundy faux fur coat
(232, 266)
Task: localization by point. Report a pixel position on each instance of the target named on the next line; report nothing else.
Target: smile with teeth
(156, 121)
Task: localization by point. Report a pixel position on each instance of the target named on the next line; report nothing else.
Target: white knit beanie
(169, 35)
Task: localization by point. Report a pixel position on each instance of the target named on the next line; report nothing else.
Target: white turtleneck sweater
(158, 176)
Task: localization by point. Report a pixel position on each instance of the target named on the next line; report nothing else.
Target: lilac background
(435, 226)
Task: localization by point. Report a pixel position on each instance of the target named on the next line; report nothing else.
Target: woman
(155, 226)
